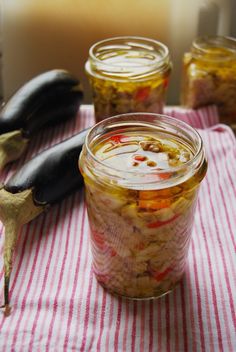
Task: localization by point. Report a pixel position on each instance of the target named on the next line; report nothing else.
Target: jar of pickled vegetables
(142, 174)
(209, 76)
(128, 74)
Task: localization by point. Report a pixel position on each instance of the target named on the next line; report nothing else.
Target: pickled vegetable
(210, 78)
(140, 235)
(113, 98)
(128, 74)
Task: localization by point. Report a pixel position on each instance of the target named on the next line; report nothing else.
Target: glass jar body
(128, 74)
(209, 76)
(140, 233)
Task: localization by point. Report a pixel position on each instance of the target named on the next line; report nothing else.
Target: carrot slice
(165, 175)
(154, 204)
(146, 195)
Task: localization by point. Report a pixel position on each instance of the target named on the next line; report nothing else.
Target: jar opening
(214, 48)
(127, 57)
(164, 126)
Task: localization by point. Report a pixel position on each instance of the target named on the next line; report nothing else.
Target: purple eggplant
(44, 180)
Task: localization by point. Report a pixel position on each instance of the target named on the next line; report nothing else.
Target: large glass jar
(209, 76)
(142, 174)
(128, 74)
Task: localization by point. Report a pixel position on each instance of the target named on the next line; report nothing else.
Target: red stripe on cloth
(59, 286)
(142, 328)
(126, 324)
(213, 288)
(133, 330)
(75, 281)
(184, 332)
(223, 254)
(167, 318)
(176, 322)
(40, 302)
(95, 316)
(217, 258)
(197, 244)
(226, 276)
(73, 253)
(150, 326)
(159, 324)
(222, 193)
(26, 267)
(118, 322)
(110, 320)
(198, 300)
(228, 171)
(87, 311)
(102, 320)
(15, 334)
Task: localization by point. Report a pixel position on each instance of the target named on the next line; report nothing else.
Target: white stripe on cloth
(59, 306)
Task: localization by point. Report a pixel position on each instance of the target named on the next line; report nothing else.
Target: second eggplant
(47, 99)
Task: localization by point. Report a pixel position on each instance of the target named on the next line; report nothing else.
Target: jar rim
(200, 47)
(136, 40)
(140, 119)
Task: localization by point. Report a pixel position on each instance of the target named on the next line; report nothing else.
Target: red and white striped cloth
(59, 306)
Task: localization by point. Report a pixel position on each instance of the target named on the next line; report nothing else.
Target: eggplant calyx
(16, 209)
(12, 145)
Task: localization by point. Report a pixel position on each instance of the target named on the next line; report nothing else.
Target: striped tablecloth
(57, 303)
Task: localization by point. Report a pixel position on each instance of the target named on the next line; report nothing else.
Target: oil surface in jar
(141, 151)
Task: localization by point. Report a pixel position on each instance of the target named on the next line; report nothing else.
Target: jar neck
(128, 58)
(167, 127)
(215, 49)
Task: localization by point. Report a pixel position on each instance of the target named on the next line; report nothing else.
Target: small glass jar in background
(209, 76)
(142, 173)
(128, 74)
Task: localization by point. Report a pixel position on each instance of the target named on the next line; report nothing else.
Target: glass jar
(209, 76)
(128, 74)
(142, 174)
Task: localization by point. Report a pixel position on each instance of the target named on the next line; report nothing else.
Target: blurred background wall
(40, 35)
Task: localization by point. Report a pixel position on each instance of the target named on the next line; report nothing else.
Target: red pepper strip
(140, 158)
(109, 250)
(160, 276)
(98, 238)
(165, 83)
(158, 223)
(113, 252)
(142, 93)
(117, 138)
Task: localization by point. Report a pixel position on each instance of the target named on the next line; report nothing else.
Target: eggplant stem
(12, 146)
(6, 290)
(15, 210)
(6, 306)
